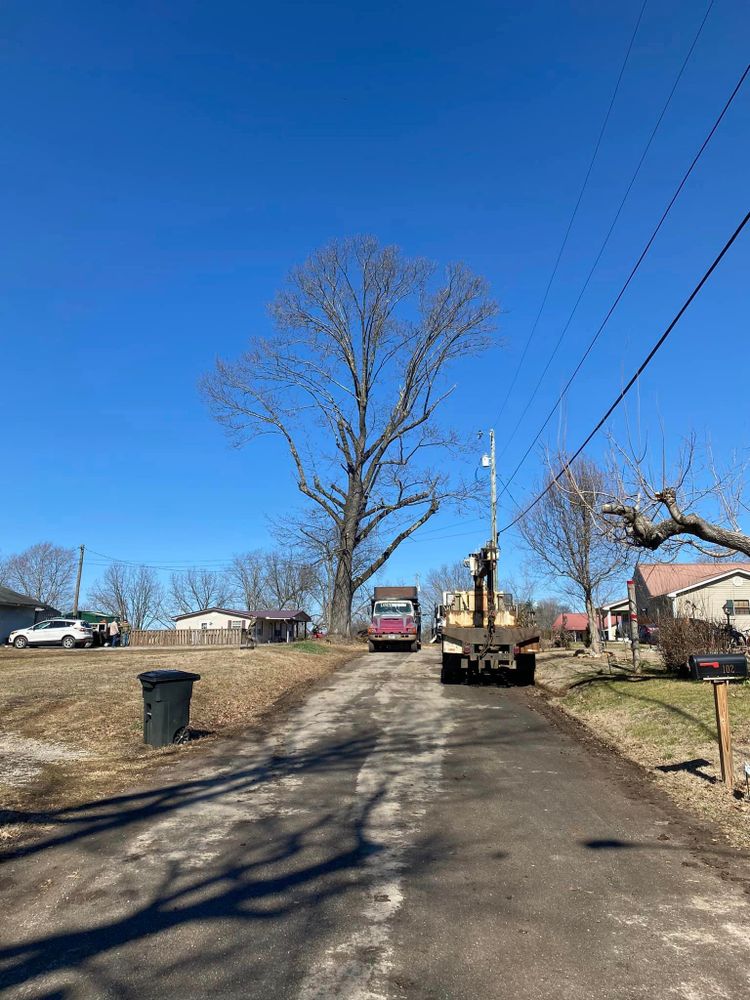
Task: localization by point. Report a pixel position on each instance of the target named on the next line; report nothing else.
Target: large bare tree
(43, 571)
(133, 593)
(352, 383)
(564, 533)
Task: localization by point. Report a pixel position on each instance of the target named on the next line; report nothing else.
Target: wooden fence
(190, 637)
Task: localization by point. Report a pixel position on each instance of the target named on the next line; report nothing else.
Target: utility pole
(78, 581)
(493, 489)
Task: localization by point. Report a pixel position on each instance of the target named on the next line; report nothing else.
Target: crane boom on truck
(479, 630)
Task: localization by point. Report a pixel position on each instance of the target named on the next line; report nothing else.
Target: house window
(742, 607)
(235, 624)
(204, 625)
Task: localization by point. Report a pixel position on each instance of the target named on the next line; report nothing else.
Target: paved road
(386, 838)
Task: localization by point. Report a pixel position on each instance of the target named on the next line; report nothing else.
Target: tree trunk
(341, 604)
(343, 584)
(596, 644)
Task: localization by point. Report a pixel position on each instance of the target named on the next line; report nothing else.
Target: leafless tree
(133, 593)
(247, 577)
(288, 581)
(659, 508)
(564, 532)
(449, 576)
(546, 610)
(43, 571)
(195, 589)
(353, 383)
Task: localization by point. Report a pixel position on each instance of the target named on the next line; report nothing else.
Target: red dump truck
(395, 619)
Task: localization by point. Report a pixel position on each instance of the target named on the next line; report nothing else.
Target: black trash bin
(166, 706)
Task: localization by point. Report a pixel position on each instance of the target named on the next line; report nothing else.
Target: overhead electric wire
(176, 565)
(575, 212)
(632, 274)
(602, 248)
(636, 375)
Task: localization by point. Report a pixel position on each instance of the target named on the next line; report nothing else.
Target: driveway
(386, 838)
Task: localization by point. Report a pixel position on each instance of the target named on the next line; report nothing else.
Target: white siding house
(694, 590)
(265, 624)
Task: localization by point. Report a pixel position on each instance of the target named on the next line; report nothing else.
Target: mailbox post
(719, 671)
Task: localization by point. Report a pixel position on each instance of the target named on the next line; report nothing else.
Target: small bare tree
(564, 533)
(133, 593)
(197, 589)
(288, 581)
(352, 384)
(546, 610)
(247, 577)
(43, 571)
(449, 576)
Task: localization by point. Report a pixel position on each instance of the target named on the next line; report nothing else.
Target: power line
(611, 229)
(633, 271)
(573, 216)
(177, 565)
(637, 374)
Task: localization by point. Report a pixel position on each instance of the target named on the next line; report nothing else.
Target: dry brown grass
(71, 722)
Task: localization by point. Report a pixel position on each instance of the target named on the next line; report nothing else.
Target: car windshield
(392, 608)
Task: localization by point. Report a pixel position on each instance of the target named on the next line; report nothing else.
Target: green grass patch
(310, 646)
(666, 715)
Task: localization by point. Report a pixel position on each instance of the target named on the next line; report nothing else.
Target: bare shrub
(680, 638)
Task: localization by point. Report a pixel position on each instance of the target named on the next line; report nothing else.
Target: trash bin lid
(166, 676)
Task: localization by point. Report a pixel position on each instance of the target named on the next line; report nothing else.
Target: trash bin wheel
(182, 735)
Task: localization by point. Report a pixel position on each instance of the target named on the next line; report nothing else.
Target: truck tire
(370, 647)
(450, 671)
(525, 669)
(414, 647)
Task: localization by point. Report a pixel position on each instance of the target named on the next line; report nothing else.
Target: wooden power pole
(78, 581)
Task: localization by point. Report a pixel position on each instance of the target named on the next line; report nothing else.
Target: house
(615, 619)
(20, 611)
(265, 624)
(574, 622)
(694, 590)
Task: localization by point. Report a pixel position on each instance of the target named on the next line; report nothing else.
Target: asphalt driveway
(385, 838)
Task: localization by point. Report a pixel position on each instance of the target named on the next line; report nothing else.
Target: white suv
(67, 632)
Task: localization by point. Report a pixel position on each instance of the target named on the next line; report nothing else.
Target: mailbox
(718, 667)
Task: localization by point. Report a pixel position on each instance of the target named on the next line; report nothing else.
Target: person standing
(114, 633)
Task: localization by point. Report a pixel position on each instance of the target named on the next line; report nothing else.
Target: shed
(21, 611)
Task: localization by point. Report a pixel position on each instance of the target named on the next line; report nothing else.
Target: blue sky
(164, 165)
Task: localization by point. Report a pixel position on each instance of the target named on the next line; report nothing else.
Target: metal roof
(281, 614)
(575, 621)
(667, 578)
